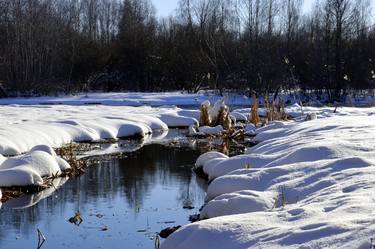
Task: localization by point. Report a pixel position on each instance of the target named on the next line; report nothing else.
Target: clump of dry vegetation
(69, 153)
(205, 116)
(254, 115)
(281, 110)
(219, 115)
(274, 108)
(223, 118)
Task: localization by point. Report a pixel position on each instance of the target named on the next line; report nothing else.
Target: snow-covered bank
(305, 185)
(30, 169)
(27, 126)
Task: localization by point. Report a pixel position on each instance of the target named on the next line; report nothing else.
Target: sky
(166, 7)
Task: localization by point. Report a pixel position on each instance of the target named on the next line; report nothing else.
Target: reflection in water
(26, 201)
(143, 191)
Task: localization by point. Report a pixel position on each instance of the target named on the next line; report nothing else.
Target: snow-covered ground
(130, 99)
(307, 184)
(180, 98)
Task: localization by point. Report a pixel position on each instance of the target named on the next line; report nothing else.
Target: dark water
(130, 199)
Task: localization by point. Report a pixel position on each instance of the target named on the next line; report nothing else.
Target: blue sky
(165, 7)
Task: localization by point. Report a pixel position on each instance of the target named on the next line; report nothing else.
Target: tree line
(49, 46)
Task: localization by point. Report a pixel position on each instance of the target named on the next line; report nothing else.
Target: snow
(23, 175)
(250, 130)
(27, 126)
(29, 169)
(130, 99)
(208, 156)
(214, 111)
(239, 117)
(239, 202)
(207, 130)
(176, 120)
(45, 148)
(307, 184)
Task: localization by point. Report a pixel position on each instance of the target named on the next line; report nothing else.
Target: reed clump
(205, 118)
(254, 115)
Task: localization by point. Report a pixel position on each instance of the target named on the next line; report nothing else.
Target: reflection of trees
(156, 164)
(133, 176)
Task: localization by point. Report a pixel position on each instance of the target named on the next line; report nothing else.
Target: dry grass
(224, 119)
(267, 106)
(254, 115)
(69, 153)
(281, 114)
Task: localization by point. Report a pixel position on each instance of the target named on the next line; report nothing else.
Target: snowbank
(27, 126)
(29, 169)
(306, 184)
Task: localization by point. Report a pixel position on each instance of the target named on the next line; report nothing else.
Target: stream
(123, 201)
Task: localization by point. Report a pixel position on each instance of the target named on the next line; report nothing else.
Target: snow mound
(45, 148)
(238, 202)
(250, 130)
(228, 165)
(210, 164)
(239, 117)
(20, 176)
(30, 168)
(208, 156)
(176, 121)
(207, 130)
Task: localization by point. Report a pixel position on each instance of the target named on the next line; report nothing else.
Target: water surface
(123, 203)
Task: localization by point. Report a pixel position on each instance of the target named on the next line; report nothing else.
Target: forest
(68, 46)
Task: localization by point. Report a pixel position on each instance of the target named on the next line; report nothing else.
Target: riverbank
(306, 184)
